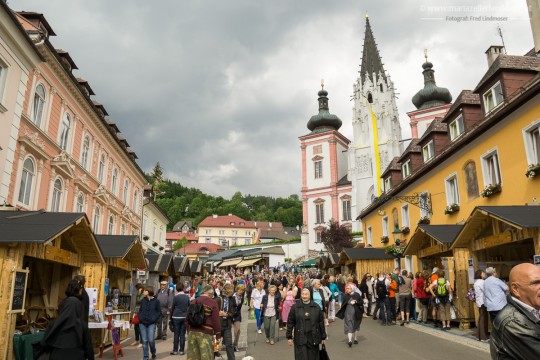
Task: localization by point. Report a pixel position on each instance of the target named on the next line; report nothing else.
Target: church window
(406, 169)
(318, 169)
(346, 210)
(493, 97)
(319, 212)
(381, 87)
(370, 98)
(456, 128)
(428, 151)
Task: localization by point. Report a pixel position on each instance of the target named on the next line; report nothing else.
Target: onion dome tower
(431, 95)
(324, 120)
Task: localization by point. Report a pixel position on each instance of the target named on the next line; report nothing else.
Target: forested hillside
(183, 203)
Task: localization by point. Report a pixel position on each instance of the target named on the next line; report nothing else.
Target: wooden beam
(62, 256)
(432, 250)
(491, 241)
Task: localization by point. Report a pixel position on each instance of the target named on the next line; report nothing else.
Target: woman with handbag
(135, 320)
(67, 337)
(351, 313)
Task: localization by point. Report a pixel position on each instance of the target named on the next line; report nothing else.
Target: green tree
(178, 244)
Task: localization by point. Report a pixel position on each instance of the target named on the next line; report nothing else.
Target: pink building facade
(69, 157)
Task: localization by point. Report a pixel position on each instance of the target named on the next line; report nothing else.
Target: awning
(230, 262)
(419, 243)
(245, 263)
(126, 247)
(309, 263)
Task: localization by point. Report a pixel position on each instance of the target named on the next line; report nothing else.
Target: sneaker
(271, 342)
(139, 346)
(350, 343)
(259, 331)
(181, 353)
(485, 341)
(174, 352)
(268, 341)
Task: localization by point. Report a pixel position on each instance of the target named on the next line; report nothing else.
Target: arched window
(57, 195)
(370, 98)
(135, 201)
(64, 132)
(85, 151)
(80, 203)
(381, 87)
(27, 181)
(97, 218)
(101, 168)
(114, 181)
(39, 105)
(126, 190)
(111, 225)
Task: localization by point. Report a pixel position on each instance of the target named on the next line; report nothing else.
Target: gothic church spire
(371, 60)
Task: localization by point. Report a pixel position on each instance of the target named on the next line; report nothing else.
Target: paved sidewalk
(164, 347)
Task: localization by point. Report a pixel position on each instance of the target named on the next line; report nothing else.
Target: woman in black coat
(149, 313)
(67, 337)
(306, 319)
(351, 312)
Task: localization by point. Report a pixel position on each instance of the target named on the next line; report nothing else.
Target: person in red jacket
(422, 298)
(201, 338)
(392, 288)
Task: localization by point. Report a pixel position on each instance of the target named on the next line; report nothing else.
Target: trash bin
(22, 345)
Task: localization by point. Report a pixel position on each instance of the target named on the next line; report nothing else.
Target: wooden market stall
(431, 246)
(332, 265)
(196, 267)
(362, 260)
(181, 268)
(497, 236)
(40, 252)
(160, 267)
(122, 253)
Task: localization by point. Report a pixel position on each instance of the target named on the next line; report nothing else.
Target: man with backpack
(383, 302)
(203, 324)
(165, 297)
(441, 290)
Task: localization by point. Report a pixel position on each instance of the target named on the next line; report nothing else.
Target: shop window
(493, 97)
(405, 217)
(80, 203)
(452, 191)
(428, 151)
(406, 169)
(490, 168)
(346, 210)
(385, 230)
(319, 212)
(85, 151)
(39, 105)
(456, 128)
(318, 169)
(64, 132)
(531, 137)
(27, 181)
(57, 195)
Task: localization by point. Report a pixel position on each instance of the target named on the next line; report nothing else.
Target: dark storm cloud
(219, 91)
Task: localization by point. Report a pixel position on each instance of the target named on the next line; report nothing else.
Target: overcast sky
(218, 91)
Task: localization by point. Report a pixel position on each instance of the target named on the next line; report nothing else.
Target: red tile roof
(228, 221)
(200, 248)
(173, 236)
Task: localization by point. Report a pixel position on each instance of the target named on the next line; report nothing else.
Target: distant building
(199, 251)
(173, 237)
(155, 222)
(185, 227)
(227, 231)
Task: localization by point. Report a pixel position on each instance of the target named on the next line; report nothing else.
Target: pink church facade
(69, 157)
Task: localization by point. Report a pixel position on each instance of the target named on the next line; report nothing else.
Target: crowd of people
(304, 305)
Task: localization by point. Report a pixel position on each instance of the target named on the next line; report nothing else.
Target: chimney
(214, 216)
(493, 52)
(534, 18)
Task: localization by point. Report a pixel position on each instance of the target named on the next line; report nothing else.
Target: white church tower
(376, 128)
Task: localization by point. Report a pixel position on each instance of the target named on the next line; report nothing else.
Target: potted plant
(146, 237)
(452, 208)
(405, 230)
(491, 189)
(384, 239)
(424, 220)
(395, 251)
(532, 170)
(154, 244)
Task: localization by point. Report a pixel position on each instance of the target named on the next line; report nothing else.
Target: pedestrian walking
(334, 290)
(227, 308)
(179, 310)
(139, 288)
(288, 301)
(351, 313)
(482, 326)
(237, 317)
(255, 303)
(165, 297)
(441, 290)
(270, 312)
(201, 337)
(306, 325)
(149, 313)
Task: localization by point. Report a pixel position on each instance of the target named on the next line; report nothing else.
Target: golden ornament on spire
(322, 83)
(425, 54)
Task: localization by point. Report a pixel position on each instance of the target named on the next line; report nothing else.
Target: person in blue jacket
(149, 313)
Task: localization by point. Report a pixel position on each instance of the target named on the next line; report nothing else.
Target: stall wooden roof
(41, 227)
(196, 267)
(127, 247)
(181, 265)
(443, 234)
(519, 217)
(160, 263)
(363, 254)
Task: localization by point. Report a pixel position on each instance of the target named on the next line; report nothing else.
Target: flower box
(450, 209)
(384, 239)
(395, 251)
(424, 220)
(146, 238)
(405, 230)
(532, 171)
(161, 248)
(491, 190)
(154, 244)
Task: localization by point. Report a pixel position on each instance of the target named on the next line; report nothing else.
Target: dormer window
(406, 169)
(428, 151)
(493, 97)
(387, 184)
(456, 128)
